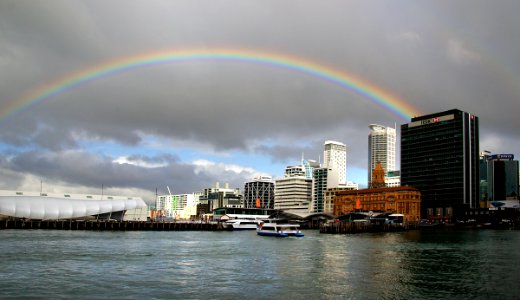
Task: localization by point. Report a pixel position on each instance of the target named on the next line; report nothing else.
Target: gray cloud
(79, 168)
(436, 55)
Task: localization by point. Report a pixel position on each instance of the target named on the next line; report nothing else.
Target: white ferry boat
(242, 221)
(241, 224)
(279, 230)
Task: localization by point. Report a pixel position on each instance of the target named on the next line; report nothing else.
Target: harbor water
(57, 264)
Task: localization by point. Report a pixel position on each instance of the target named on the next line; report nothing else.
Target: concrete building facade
(293, 193)
(174, 206)
(332, 174)
(218, 197)
(393, 178)
(330, 195)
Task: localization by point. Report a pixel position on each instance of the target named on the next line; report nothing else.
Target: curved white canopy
(45, 208)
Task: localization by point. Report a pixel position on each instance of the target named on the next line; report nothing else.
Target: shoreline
(335, 228)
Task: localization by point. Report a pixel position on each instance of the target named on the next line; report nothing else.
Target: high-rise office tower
(309, 166)
(502, 177)
(440, 157)
(335, 160)
(381, 148)
(332, 174)
(319, 188)
(259, 193)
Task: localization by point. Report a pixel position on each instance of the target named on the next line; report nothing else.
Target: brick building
(404, 200)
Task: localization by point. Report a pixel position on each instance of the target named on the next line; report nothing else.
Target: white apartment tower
(335, 160)
(381, 148)
(294, 191)
(332, 174)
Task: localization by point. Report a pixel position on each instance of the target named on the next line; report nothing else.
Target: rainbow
(342, 79)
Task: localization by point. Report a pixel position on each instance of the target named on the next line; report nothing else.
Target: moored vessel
(241, 224)
(278, 230)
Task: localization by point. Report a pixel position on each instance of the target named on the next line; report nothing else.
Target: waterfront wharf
(111, 225)
(360, 227)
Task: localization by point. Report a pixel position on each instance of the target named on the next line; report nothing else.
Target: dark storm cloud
(137, 171)
(437, 55)
(237, 109)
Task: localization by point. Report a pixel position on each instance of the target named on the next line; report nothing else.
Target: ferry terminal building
(404, 200)
(379, 198)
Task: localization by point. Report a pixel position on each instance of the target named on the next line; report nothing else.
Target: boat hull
(296, 234)
(277, 234)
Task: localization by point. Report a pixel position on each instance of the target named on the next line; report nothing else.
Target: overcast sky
(188, 125)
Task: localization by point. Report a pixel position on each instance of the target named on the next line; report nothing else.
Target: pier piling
(110, 225)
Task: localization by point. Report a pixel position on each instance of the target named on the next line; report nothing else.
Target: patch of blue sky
(357, 175)
(8, 148)
(261, 163)
(194, 151)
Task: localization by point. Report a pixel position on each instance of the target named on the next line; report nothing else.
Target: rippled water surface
(241, 265)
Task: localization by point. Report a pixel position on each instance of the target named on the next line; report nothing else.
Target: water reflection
(224, 265)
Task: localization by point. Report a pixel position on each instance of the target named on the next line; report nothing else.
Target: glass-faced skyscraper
(381, 148)
(502, 177)
(440, 157)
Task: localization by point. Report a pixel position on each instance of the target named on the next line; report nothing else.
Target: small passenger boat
(279, 230)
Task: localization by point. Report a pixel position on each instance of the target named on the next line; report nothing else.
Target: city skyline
(184, 94)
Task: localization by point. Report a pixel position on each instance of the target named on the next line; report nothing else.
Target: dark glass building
(440, 157)
(259, 193)
(502, 177)
(320, 177)
(484, 197)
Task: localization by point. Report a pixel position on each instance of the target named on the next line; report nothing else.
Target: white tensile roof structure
(62, 206)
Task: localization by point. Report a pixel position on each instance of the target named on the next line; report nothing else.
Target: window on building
(438, 211)
(429, 212)
(449, 211)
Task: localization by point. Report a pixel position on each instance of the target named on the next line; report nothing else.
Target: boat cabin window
(396, 218)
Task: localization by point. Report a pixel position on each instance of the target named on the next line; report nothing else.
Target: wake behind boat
(278, 230)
